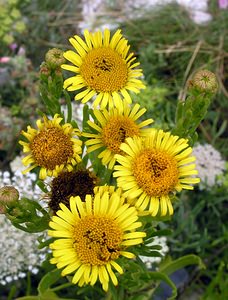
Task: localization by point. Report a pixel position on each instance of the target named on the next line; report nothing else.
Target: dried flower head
(66, 184)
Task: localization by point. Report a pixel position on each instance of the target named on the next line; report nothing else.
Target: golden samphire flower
(115, 126)
(52, 147)
(91, 235)
(153, 168)
(103, 68)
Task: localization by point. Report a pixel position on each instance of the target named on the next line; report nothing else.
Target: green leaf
(167, 280)
(29, 298)
(221, 130)
(42, 186)
(160, 276)
(69, 106)
(49, 279)
(182, 262)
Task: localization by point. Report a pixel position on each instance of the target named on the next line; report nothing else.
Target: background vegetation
(170, 48)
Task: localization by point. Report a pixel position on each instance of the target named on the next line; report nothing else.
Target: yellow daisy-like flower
(153, 168)
(52, 147)
(115, 126)
(103, 68)
(92, 235)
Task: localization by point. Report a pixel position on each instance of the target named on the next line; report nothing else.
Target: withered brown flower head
(67, 184)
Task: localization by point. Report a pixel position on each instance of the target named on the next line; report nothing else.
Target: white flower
(209, 164)
(149, 261)
(16, 165)
(100, 14)
(19, 250)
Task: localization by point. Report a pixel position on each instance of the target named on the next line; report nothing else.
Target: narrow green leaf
(42, 186)
(48, 280)
(221, 129)
(29, 298)
(160, 276)
(182, 262)
(69, 106)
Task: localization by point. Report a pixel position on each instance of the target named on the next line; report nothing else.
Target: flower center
(51, 147)
(78, 183)
(156, 172)
(116, 131)
(97, 240)
(104, 70)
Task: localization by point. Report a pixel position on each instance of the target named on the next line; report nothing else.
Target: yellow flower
(115, 126)
(92, 235)
(154, 167)
(52, 147)
(103, 68)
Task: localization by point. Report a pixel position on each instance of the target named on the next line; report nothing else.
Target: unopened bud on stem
(205, 81)
(54, 58)
(8, 196)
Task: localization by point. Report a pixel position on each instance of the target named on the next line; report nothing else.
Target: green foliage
(199, 226)
(12, 22)
(28, 216)
(171, 47)
(168, 55)
(49, 24)
(218, 287)
(159, 106)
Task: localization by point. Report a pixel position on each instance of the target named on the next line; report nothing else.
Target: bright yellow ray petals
(91, 235)
(153, 167)
(52, 147)
(106, 67)
(113, 126)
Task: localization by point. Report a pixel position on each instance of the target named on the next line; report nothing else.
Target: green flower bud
(44, 71)
(54, 58)
(205, 81)
(58, 72)
(8, 195)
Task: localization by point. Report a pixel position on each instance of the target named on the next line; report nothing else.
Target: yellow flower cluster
(149, 165)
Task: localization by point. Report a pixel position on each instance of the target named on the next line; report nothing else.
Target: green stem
(108, 296)
(12, 293)
(69, 107)
(62, 286)
(28, 288)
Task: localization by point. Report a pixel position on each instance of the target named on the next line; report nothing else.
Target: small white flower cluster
(209, 164)
(149, 261)
(19, 250)
(102, 14)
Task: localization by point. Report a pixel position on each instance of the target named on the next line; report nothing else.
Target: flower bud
(44, 70)
(8, 195)
(54, 58)
(58, 72)
(205, 81)
(2, 209)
